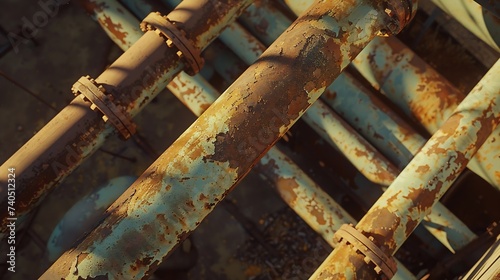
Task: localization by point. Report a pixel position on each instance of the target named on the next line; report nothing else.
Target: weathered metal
(133, 79)
(297, 189)
(266, 24)
(117, 22)
(441, 223)
(420, 185)
(373, 119)
(179, 189)
(488, 267)
(82, 216)
(481, 22)
(300, 192)
(236, 37)
(423, 94)
(368, 160)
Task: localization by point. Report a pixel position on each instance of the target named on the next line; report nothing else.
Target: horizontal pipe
(422, 183)
(179, 189)
(134, 79)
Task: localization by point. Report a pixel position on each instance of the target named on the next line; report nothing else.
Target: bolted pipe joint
(400, 13)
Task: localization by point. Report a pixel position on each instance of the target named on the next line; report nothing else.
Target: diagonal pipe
(133, 80)
(179, 189)
(421, 184)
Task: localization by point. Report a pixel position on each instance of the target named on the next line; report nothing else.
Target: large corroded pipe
(133, 80)
(180, 188)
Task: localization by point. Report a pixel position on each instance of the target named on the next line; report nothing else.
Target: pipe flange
(383, 263)
(90, 91)
(175, 37)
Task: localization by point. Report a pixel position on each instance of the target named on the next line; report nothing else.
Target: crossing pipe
(133, 80)
(179, 189)
(420, 185)
(442, 224)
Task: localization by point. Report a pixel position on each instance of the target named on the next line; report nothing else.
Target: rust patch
(80, 258)
(319, 215)
(115, 29)
(287, 189)
(380, 224)
(422, 198)
(422, 169)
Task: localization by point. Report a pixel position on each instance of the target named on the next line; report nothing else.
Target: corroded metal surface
(133, 79)
(368, 160)
(172, 197)
(432, 171)
(422, 93)
(117, 22)
(483, 23)
(445, 226)
(301, 193)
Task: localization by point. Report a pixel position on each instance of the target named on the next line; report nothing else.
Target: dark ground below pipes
(72, 45)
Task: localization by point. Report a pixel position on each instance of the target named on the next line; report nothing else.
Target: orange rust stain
(202, 197)
(423, 198)
(287, 188)
(161, 218)
(310, 86)
(377, 223)
(447, 130)
(318, 213)
(360, 153)
(115, 29)
(385, 175)
(205, 106)
(423, 169)
(393, 198)
(189, 91)
(80, 258)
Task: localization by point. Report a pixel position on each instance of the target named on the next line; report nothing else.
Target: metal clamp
(175, 37)
(383, 263)
(90, 91)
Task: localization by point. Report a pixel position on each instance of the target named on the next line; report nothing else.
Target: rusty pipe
(179, 189)
(299, 191)
(421, 184)
(423, 94)
(133, 80)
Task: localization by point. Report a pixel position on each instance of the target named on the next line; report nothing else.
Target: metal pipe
(138, 76)
(431, 172)
(441, 223)
(423, 94)
(292, 184)
(446, 227)
(481, 22)
(363, 110)
(179, 189)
